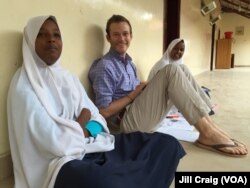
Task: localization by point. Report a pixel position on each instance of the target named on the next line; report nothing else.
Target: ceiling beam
(229, 10)
(234, 5)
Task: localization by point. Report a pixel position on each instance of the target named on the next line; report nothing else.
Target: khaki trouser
(173, 84)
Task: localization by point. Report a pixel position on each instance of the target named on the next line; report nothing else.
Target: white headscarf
(166, 59)
(48, 81)
(43, 103)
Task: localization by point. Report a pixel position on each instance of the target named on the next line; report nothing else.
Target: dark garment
(138, 160)
(206, 90)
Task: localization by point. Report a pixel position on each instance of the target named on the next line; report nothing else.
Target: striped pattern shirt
(112, 77)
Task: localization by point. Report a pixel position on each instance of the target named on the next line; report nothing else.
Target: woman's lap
(139, 159)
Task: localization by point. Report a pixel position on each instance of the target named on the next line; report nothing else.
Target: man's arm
(118, 105)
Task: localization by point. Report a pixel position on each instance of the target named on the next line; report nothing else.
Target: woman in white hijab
(174, 54)
(178, 46)
(59, 139)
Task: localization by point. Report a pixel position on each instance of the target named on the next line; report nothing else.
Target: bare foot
(225, 134)
(222, 143)
(220, 148)
(214, 138)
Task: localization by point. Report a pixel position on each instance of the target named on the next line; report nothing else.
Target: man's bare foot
(221, 143)
(219, 148)
(225, 134)
(213, 138)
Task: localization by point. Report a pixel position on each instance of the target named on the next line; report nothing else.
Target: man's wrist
(131, 99)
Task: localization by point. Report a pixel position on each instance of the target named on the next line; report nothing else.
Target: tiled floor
(231, 91)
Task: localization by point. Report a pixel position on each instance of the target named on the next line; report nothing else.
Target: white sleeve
(85, 102)
(33, 127)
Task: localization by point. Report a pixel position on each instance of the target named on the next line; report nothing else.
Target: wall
(241, 43)
(82, 24)
(197, 32)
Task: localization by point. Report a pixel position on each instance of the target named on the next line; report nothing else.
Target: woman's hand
(83, 118)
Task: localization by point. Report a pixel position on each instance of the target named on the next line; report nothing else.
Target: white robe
(43, 104)
(165, 60)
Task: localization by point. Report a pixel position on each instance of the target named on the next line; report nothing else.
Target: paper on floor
(177, 126)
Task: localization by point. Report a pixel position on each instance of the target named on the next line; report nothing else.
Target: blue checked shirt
(112, 77)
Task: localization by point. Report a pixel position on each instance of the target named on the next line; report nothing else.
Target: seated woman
(59, 139)
(174, 54)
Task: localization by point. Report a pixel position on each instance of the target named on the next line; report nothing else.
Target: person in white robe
(47, 113)
(167, 59)
(174, 54)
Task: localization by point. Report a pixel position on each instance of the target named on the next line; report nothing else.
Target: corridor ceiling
(241, 7)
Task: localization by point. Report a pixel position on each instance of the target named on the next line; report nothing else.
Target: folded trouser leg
(151, 106)
(196, 86)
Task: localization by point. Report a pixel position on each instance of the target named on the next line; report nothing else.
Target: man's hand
(138, 90)
(118, 105)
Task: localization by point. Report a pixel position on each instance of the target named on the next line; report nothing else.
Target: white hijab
(43, 103)
(47, 81)
(166, 59)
